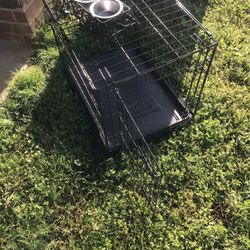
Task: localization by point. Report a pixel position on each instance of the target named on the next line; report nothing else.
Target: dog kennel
(140, 73)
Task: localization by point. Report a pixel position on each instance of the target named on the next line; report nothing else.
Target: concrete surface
(13, 56)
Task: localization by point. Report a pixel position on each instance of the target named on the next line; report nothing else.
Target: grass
(58, 191)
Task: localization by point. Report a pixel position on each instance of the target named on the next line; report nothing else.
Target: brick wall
(19, 18)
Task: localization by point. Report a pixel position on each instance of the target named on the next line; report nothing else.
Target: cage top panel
(163, 31)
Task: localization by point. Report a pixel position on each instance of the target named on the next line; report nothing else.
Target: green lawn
(58, 191)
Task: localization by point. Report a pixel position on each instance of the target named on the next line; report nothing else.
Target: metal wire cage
(140, 74)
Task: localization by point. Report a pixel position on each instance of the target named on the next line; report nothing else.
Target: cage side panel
(90, 97)
(141, 158)
(187, 77)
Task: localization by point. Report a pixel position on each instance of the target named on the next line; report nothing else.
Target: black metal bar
(205, 78)
(163, 24)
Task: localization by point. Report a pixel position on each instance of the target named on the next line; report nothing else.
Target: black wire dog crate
(140, 74)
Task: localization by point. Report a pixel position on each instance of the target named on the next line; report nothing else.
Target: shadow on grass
(61, 124)
(197, 8)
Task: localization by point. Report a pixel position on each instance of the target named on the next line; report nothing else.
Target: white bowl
(106, 9)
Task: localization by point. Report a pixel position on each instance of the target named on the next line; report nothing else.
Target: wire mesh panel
(140, 74)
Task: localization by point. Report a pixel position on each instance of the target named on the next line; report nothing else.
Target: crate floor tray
(150, 100)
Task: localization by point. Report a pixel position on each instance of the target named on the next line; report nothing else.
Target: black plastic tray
(153, 104)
